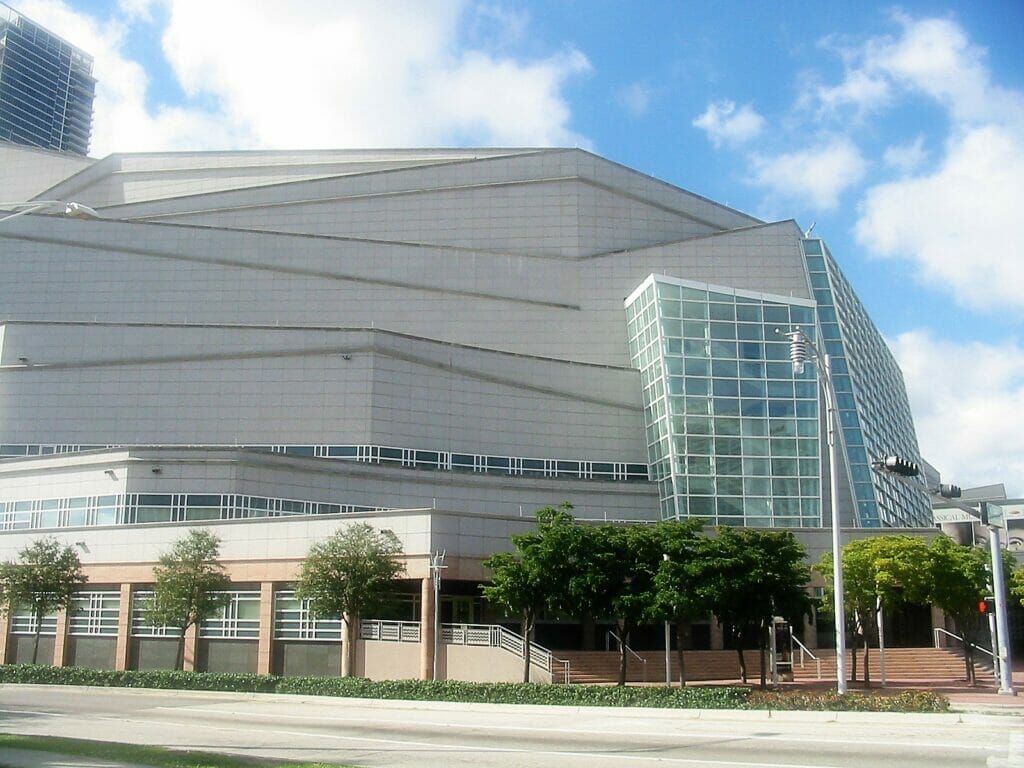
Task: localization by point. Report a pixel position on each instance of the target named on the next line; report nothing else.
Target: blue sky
(898, 131)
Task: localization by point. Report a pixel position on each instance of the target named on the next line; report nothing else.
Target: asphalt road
(418, 734)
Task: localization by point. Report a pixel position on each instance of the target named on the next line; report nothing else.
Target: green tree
(350, 574)
(679, 598)
(959, 576)
(627, 560)
(1017, 584)
(880, 570)
(751, 576)
(527, 581)
(189, 585)
(43, 579)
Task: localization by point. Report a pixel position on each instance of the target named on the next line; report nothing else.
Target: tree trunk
(179, 657)
(527, 631)
(623, 656)
(969, 660)
(867, 664)
(348, 655)
(763, 646)
(743, 662)
(679, 653)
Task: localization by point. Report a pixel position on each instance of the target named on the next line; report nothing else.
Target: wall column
(60, 642)
(717, 640)
(5, 636)
(124, 629)
(939, 620)
(811, 630)
(265, 653)
(427, 629)
(191, 655)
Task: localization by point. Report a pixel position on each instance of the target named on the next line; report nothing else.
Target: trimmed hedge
(695, 697)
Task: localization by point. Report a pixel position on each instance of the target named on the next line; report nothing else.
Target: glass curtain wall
(732, 432)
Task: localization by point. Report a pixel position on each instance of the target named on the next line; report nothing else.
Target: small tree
(959, 581)
(679, 598)
(189, 585)
(882, 569)
(1017, 584)
(526, 582)
(750, 577)
(348, 575)
(43, 579)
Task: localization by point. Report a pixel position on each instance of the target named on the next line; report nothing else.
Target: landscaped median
(691, 697)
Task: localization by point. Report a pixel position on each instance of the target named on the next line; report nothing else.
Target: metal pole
(1002, 626)
(880, 617)
(668, 645)
(837, 549)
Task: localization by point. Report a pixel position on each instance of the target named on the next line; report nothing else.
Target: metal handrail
(805, 650)
(636, 655)
(935, 635)
(497, 636)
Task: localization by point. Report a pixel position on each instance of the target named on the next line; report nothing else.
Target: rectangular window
(295, 620)
(95, 613)
(240, 618)
(140, 624)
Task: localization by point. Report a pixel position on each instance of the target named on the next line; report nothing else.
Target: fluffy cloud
(814, 177)
(321, 74)
(906, 158)
(968, 403)
(961, 224)
(724, 123)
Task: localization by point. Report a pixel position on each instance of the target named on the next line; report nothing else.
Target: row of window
(96, 613)
(444, 461)
(138, 508)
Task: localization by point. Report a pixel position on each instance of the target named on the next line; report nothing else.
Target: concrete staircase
(935, 665)
(597, 667)
(901, 664)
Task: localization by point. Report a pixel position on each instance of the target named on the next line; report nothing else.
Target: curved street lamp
(801, 348)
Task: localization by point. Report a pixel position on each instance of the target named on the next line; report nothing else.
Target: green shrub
(693, 697)
(904, 701)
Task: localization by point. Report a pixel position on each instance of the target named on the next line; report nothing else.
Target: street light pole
(799, 346)
(1002, 624)
(668, 644)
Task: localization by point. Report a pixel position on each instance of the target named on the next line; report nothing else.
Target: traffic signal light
(987, 605)
(900, 466)
(950, 491)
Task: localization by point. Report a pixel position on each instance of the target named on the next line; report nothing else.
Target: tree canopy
(527, 581)
(350, 574)
(43, 579)
(749, 577)
(189, 585)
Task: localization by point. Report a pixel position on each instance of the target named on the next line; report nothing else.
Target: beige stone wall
(379, 660)
(481, 664)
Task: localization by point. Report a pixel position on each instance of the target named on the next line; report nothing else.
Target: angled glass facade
(871, 399)
(46, 87)
(732, 432)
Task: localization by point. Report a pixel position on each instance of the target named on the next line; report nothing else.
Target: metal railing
(497, 636)
(390, 631)
(607, 646)
(805, 651)
(975, 646)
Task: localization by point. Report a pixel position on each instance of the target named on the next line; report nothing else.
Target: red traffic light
(986, 605)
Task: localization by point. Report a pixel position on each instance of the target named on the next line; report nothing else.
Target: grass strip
(135, 754)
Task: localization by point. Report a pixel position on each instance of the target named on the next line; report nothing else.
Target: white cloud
(318, 73)
(636, 98)
(960, 224)
(968, 404)
(906, 158)
(814, 177)
(724, 123)
(862, 90)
